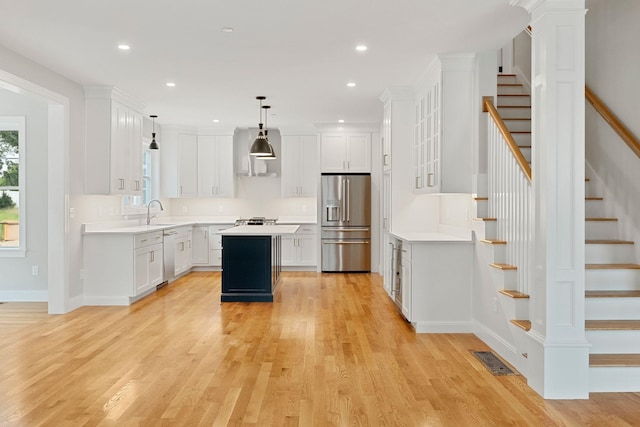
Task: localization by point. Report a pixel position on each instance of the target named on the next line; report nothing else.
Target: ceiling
(300, 54)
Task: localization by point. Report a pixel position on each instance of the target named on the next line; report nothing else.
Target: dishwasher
(169, 255)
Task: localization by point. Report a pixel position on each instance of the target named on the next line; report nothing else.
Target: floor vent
(493, 363)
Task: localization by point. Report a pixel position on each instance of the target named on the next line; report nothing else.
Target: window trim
(18, 123)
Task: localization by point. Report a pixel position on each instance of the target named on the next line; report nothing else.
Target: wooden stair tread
(494, 241)
(509, 84)
(506, 119)
(485, 219)
(522, 324)
(587, 179)
(612, 267)
(513, 294)
(601, 219)
(506, 75)
(608, 242)
(520, 132)
(612, 325)
(503, 266)
(480, 198)
(593, 198)
(524, 146)
(612, 294)
(614, 360)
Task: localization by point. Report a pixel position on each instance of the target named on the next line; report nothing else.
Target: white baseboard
(24, 296)
(443, 327)
(505, 350)
(74, 303)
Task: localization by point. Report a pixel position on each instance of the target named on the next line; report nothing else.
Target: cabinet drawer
(147, 239)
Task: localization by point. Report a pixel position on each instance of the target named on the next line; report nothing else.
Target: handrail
(515, 150)
(608, 116)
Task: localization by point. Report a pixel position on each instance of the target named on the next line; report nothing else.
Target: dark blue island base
(250, 268)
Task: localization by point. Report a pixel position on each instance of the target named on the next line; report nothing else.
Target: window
(136, 204)
(12, 185)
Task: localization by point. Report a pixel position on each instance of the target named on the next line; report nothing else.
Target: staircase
(612, 305)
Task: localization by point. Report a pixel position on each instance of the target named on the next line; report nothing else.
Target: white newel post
(558, 352)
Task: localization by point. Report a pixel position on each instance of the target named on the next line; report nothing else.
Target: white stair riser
(526, 152)
(518, 125)
(481, 208)
(507, 79)
(514, 308)
(595, 230)
(490, 229)
(504, 279)
(611, 280)
(614, 379)
(506, 90)
(508, 100)
(594, 208)
(515, 113)
(614, 341)
(522, 138)
(612, 308)
(609, 254)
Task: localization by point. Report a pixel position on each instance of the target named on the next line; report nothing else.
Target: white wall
(612, 64)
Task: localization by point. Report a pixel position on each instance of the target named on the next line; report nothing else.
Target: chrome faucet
(149, 217)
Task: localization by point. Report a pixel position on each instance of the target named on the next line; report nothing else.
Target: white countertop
(163, 223)
(259, 230)
(426, 237)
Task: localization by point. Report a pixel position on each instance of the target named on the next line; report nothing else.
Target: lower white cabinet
(200, 245)
(183, 250)
(436, 280)
(120, 267)
(215, 244)
(299, 249)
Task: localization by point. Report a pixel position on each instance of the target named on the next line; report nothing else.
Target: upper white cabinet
(299, 165)
(346, 152)
(113, 145)
(427, 130)
(205, 165)
(443, 126)
(215, 166)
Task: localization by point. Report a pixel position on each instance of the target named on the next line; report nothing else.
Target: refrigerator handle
(348, 202)
(343, 201)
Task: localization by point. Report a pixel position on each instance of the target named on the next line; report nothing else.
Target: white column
(558, 352)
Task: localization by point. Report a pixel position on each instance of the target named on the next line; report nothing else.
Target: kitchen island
(251, 262)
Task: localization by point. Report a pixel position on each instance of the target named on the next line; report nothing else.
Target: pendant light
(260, 146)
(272, 154)
(154, 144)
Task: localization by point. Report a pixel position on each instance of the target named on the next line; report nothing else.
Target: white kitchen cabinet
(215, 244)
(437, 285)
(346, 152)
(183, 250)
(118, 268)
(148, 268)
(113, 145)
(299, 165)
(299, 249)
(386, 137)
(187, 165)
(200, 245)
(205, 166)
(215, 166)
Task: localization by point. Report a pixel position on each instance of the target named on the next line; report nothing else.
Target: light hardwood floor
(330, 351)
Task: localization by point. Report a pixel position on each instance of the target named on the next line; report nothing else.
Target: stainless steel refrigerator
(346, 222)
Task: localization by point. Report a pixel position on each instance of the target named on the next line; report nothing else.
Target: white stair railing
(510, 196)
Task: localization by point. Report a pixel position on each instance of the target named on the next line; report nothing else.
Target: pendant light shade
(272, 154)
(260, 146)
(154, 144)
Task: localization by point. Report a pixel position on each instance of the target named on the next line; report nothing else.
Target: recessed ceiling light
(171, 84)
(361, 48)
(216, 121)
(226, 30)
(351, 84)
(124, 47)
(341, 121)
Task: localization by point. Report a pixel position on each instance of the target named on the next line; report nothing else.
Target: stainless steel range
(256, 220)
